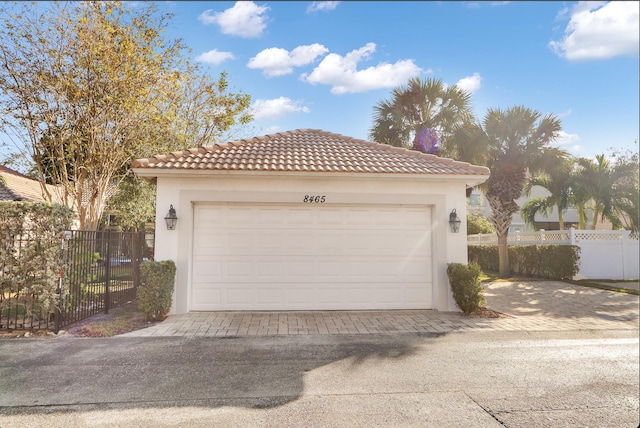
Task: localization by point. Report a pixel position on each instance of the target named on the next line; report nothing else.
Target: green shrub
(465, 284)
(156, 288)
(543, 261)
(478, 224)
(30, 253)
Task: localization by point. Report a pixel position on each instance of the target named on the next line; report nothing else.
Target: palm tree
(420, 105)
(612, 188)
(512, 143)
(557, 181)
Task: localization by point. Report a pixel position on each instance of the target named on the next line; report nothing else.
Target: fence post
(58, 308)
(138, 249)
(624, 241)
(107, 274)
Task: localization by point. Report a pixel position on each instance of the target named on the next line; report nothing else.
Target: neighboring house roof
(15, 186)
(308, 150)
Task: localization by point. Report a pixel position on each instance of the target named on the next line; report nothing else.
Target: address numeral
(313, 199)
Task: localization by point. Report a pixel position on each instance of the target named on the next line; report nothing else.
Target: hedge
(30, 252)
(543, 261)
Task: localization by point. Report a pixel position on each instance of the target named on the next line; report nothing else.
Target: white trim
(469, 179)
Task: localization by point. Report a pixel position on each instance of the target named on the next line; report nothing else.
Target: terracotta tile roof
(18, 187)
(308, 150)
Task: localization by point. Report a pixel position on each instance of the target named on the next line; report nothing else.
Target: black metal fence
(98, 270)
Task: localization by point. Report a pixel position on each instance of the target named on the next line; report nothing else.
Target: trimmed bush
(542, 261)
(156, 288)
(465, 284)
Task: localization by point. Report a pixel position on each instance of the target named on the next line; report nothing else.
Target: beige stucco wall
(440, 194)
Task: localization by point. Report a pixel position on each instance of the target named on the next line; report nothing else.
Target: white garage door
(264, 257)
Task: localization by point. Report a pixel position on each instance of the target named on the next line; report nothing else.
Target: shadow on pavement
(561, 300)
(41, 376)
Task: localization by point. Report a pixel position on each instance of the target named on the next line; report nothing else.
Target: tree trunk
(503, 255)
(560, 219)
(582, 216)
(501, 216)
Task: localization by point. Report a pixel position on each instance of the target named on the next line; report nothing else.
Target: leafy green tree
(417, 106)
(557, 181)
(133, 204)
(90, 86)
(512, 143)
(628, 203)
(613, 189)
(478, 224)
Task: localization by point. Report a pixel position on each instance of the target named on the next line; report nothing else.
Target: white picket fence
(604, 254)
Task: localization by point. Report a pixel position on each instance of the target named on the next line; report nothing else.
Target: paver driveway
(528, 306)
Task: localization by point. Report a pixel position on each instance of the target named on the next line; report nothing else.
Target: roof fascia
(150, 174)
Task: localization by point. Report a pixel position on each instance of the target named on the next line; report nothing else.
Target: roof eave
(151, 173)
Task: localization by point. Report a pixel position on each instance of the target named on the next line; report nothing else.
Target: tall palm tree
(557, 181)
(512, 143)
(612, 188)
(420, 105)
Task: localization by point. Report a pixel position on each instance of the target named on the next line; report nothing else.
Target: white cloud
(214, 57)
(568, 142)
(245, 19)
(279, 62)
(470, 83)
(599, 30)
(322, 6)
(564, 114)
(277, 107)
(565, 139)
(342, 74)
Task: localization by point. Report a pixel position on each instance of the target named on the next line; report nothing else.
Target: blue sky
(325, 65)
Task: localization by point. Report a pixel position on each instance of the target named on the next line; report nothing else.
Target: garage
(309, 220)
(314, 257)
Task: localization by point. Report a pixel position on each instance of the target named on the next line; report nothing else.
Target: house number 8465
(310, 199)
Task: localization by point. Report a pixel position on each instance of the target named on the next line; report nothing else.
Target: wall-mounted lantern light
(454, 222)
(171, 218)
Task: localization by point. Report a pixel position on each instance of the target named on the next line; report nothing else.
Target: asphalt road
(473, 379)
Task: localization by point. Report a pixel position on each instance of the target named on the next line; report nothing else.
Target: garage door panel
(359, 217)
(299, 240)
(299, 297)
(239, 216)
(313, 257)
(236, 240)
(296, 269)
(239, 297)
(274, 269)
(414, 269)
(204, 268)
(268, 216)
(331, 217)
(269, 296)
(237, 271)
(207, 298)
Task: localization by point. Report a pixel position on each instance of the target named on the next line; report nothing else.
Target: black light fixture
(171, 218)
(454, 221)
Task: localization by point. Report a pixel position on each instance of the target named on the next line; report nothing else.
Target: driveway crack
(489, 412)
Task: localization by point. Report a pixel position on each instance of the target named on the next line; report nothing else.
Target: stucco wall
(441, 195)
